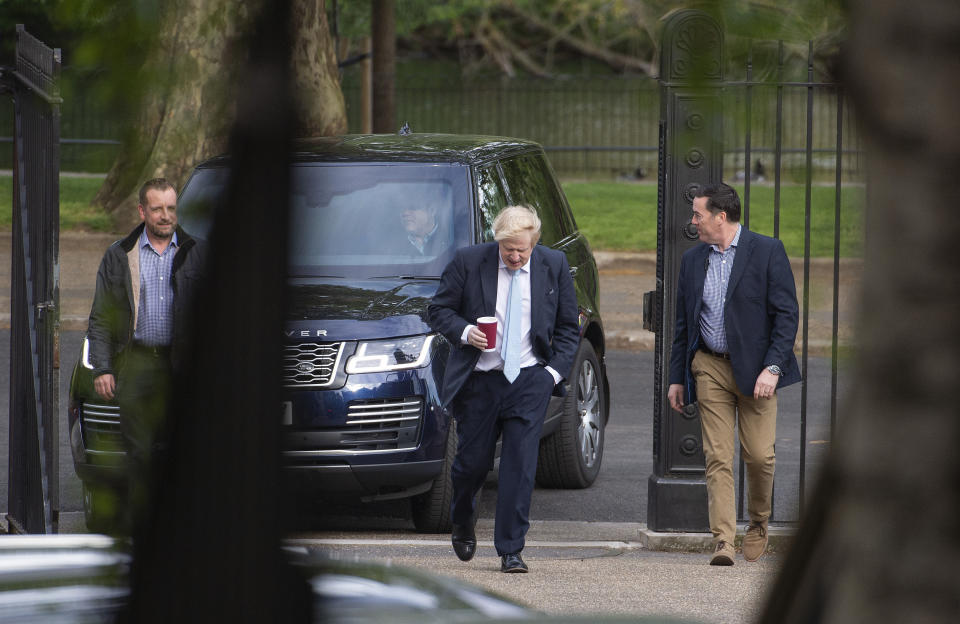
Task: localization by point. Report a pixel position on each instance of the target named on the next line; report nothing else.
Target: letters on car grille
(310, 364)
(101, 429)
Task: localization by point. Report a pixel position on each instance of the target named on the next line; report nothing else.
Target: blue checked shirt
(155, 318)
(712, 330)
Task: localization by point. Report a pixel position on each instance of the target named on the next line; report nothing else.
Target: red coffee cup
(488, 325)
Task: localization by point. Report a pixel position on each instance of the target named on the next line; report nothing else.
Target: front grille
(382, 424)
(372, 426)
(311, 364)
(101, 428)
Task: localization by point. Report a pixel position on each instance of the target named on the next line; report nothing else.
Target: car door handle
(573, 271)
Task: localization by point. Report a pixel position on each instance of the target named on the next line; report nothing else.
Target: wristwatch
(773, 368)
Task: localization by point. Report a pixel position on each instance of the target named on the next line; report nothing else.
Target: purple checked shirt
(155, 318)
(720, 265)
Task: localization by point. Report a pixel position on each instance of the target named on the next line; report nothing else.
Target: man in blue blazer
(736, 323)
(504, 389)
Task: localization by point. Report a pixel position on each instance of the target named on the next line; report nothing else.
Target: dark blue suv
(374, 220)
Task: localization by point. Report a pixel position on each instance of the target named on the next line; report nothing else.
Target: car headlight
(380, 356)
(85, 356)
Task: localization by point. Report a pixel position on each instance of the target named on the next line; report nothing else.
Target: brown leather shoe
(755, 541)
(723, 554)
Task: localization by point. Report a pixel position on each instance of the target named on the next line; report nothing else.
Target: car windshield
(359, 221)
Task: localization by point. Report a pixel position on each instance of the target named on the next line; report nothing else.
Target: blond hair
(514, 221)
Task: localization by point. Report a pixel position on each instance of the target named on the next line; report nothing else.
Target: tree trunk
(881, 542)
(316, 81)
(383, 25)
(189, 89)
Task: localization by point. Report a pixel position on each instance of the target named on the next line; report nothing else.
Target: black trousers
(487, 407)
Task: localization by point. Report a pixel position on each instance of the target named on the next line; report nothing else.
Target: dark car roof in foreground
(435, 148)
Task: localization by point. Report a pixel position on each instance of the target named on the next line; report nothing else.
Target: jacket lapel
(538, 281)
(741, 260)
(488, 280)
(699, 278)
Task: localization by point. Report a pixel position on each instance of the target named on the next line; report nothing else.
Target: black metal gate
(696, 148)
(33, 504)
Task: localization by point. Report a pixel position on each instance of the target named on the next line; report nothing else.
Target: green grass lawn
(623, 216)
(615, 216)
(75, 210)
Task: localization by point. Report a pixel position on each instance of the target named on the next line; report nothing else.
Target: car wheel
(571, 457)
(102, 508)
(431, 510)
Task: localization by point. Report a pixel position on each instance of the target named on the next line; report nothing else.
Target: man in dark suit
(736, 325)
(503, 390)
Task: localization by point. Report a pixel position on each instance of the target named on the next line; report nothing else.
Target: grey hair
(516, 220)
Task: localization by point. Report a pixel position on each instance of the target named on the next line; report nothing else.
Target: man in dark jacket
(504, 389)
(736, 322)
(138, 322)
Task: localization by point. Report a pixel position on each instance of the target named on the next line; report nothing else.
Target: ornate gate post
(691, 154)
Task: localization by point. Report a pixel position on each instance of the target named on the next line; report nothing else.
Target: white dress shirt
(493, 360)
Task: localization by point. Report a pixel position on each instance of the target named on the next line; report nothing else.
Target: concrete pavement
(576, 568)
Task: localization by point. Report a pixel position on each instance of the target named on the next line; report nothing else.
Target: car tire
(102, 508)
(431, 510)
(571, 456)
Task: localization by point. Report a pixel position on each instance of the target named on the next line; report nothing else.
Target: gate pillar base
(677, 504)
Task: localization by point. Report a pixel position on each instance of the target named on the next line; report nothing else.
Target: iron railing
(33, 504)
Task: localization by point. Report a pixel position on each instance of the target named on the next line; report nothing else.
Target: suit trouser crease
(722, 409)
(486, 407)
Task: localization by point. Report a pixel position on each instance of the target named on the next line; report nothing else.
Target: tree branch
(606, 55)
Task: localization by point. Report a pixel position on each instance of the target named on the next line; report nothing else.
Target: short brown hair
(156, 184)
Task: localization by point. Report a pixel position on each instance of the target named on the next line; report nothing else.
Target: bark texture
(189, 87)
(881, 541)
(316, 81)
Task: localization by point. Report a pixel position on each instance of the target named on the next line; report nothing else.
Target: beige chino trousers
(722, 408)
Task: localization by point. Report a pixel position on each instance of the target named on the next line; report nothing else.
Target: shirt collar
(144, 241)
(503, 265)
(736, 241)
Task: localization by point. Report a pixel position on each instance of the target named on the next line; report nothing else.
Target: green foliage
(517, 36)
(623, 216)
(113, 37)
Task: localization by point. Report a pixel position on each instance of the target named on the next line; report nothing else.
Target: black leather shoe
(512, 563)
(464, 541)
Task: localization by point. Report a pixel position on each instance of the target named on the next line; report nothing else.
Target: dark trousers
(144, 386)
(486, 407)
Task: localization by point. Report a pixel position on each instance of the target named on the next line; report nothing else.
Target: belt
(160, 351)
(725, 356)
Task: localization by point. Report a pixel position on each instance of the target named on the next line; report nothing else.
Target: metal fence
(34, 484)
(594, 127)
(90, 132)
(606, 127)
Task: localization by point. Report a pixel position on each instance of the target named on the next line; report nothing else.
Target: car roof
(415, 147)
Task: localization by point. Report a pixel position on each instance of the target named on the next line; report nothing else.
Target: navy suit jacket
(760, 314)
(468, 290)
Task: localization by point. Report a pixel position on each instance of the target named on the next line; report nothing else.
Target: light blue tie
(511, 335)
